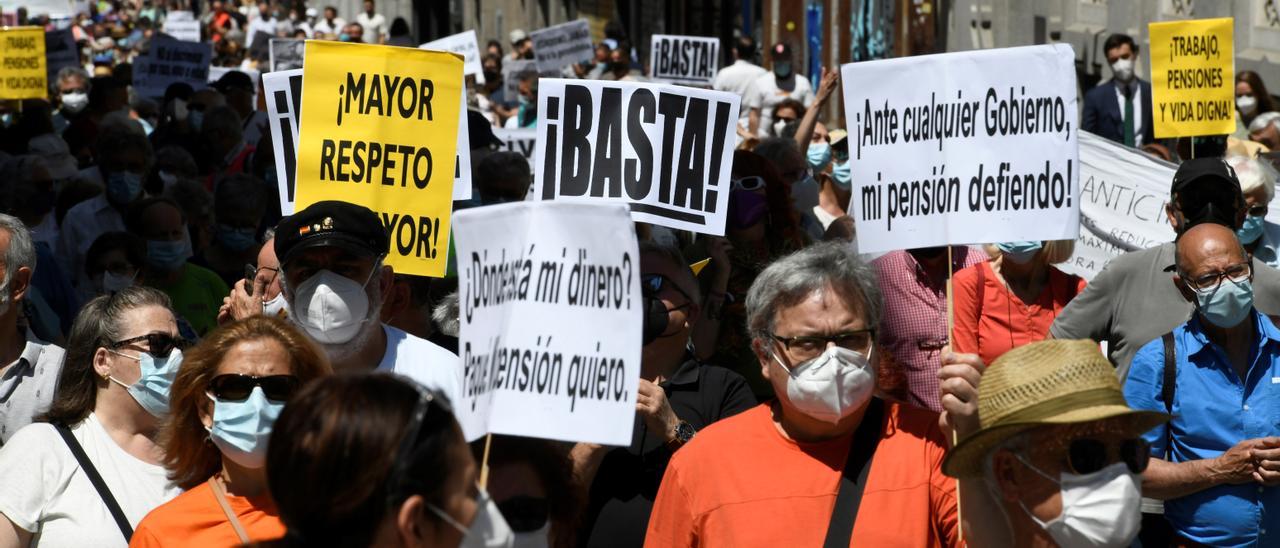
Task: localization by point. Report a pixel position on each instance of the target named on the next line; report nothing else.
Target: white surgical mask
(277, 307)
(1246, 104)
(831, 386)
(489, 529)
(778, 126)
(534, 539)
(1123, 69)
(330, 307)
(1098, 509)
(74, 102)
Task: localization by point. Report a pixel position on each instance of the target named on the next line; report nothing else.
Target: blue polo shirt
(1213, 409)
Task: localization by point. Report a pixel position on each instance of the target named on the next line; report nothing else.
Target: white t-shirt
(373, 26)
(46, 492)
(764, 95)
(422, 361)
(737, 78)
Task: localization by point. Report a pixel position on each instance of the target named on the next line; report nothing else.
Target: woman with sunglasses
(226, 398)
(89, 472)
(374, 459)
(1260, 237)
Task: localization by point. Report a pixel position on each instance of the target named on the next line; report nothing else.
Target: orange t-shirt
(1003, 322)
(741, 483)
(194, 518)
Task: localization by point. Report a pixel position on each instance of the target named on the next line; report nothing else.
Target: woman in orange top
(1012, 299)
(223, 404)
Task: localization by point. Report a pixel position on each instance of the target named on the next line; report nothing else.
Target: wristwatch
(684, 432)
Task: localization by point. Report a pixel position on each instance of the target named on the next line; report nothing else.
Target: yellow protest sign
(1193, 77)
(379, 128)
(22, 75)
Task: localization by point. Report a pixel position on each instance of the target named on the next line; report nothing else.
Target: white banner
(187, 30)
(665, 150)
(284, 102)
(684, 59)
(286, 54)
(466, 45)
(562, 45)
(523, 141)
(957, 148)
(170, 61)
(571, 379)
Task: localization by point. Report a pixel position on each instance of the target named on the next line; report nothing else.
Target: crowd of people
(180, 364)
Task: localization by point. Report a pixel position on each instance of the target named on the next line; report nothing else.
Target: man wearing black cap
(770, 89)
(1132, 301)
(240, 91)
(333, 279)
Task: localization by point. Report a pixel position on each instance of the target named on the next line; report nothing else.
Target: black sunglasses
(158, 344)
(652, 284)
(525, 514)
(1087, 455)
(235, 387)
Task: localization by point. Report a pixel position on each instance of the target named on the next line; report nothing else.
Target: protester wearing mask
(71, 96)
(532, 483)
(29, 366)
(113, 392)
(396, 469)
(833, 199)
(526, 113)
(1120, 109)
(330, 25)
(1260, 237)
(813, 317)
(1216, 464)
(769, 89)
(1063, 460)
(196, 292)
(787, 112)
(521, 45)
(620, 68)
(738, 77)
(260, 294)
(115, 261)
(793, 166)
(334, 280)
(239, 203)
(241, 93)
(353, 32)
(224, 402)
(1252, 98)
(678, 397)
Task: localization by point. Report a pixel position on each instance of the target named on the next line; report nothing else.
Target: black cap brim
(331, 239)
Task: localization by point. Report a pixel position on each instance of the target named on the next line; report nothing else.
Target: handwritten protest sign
(572, 379)
(25, 73)
(60, 51)
(466, 45)
(284, 100)
(557, 47)
(1193, 77)
(185, 29)
(958, 149)
(379, 128)
(512, 71)
(170, 61)
(523, 141)
(665, 150)
(684, 59)
(286, 54)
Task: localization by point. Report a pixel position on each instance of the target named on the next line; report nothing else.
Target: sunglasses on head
(235, 387)
(1087, 455)
(158, 344)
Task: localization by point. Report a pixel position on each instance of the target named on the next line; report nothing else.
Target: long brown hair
(188, 457)
(96, 326)
(1265, 104)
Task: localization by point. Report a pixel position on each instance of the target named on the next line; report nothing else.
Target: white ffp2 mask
(331, 307)
(831, 386)
(1098, 509)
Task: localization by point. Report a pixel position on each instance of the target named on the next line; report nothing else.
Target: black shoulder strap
(854, 478)
(982, 287)
(1169, 386)
(121, 521)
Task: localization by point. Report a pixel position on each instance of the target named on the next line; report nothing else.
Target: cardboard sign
(1193, 77)
(379, 128)
(284, 100)
(573, 378)
(665, 150)
(958, 149)
(684, 59)
(557, 47)
(466, 45)
(523, 141)
(187, 30)
(170, 61)
(60, 52)
(511, 73)
(24, 71)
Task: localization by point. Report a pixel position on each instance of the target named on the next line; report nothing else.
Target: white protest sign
(217, 72)
(684, 59)
(466, 45)
(187, 30)
(956, 148)
(462, 158)
(560, 46)
(60, 51)
(286, 54)
(522, 141)
(181, 15)
(284, 102)
(665, 150)
(571, 379)
(511, 73)
(170, 61)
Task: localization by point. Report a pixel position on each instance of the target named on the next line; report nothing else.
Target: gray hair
(791, 279)
(21, 252)
(68, 73)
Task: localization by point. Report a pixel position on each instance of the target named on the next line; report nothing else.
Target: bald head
(1207, 248)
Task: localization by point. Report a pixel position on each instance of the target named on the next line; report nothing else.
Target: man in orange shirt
(826, 459)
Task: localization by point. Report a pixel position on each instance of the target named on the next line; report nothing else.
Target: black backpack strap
(1169, 385)
(96, 479)
(854, 478)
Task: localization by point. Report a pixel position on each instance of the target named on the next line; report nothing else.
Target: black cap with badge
(352, 227)
(1207, 190)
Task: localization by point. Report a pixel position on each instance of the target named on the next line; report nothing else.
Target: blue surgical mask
(157, 374)
(819, 155)
(1251, 230)
(168, 255)
(123, 187)
(782, 69)
(1228, 305)
(235, 239)
(1020, 252)
(344, 37)
(843, 173)
(241, 428)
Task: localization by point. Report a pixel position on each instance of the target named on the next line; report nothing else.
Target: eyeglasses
(811, 346)
(652, 284)
(158, 344)
(752, 182)
(1088, 455)
(236, 387)
(1238, 273)
(525, 514)
(1258, 210)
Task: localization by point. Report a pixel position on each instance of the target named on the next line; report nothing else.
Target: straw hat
(1044, 383)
